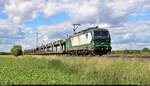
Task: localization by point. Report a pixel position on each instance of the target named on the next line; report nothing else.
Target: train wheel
(92, 53)
(100, 54)
(84, 53)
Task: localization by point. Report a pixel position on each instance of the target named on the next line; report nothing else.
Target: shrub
(16, 50)
(145, 49)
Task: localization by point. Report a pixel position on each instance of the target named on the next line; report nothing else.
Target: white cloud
(58, 31)
(80, 11)
(140, 44)
(95, 11)
(141, 14)
(26, 46)
(22, 11)
(3, 2)
(104, 25)
(45, 38)
(51, 9)
(27, 42)
(10, 33)
(127, 36)
(135, 35)
(146, 7)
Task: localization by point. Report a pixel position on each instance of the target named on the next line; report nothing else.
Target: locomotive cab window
(101, 34)
(96, 33)
(86, 36)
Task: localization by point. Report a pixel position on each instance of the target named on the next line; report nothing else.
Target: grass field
(61, 70)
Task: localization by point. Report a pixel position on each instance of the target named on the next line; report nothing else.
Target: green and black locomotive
(94, 41)
(91, 41)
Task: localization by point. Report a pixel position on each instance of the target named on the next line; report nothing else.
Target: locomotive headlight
(93, 43)
(107, 40)
(106, 48)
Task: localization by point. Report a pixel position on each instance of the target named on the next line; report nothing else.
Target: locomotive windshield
(101, 34)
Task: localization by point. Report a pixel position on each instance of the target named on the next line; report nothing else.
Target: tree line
(144, 50)
(5, 53)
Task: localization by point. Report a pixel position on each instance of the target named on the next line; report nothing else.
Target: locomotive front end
(102, 41)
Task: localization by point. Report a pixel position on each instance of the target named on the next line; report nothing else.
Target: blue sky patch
(38, 21)
(59, 18)
(2, 15)
(136, 18)
(145, 15)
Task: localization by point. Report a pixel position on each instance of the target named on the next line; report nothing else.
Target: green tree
(145, 49)
(16, 50)
(137, 52)
(126, 52)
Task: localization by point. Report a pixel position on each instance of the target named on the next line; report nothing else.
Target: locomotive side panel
(82, 39)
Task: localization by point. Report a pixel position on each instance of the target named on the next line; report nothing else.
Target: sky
(127, 20)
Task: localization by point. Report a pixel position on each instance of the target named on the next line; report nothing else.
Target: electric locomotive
(94, 40)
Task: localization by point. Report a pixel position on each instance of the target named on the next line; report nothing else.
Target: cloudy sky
(127, 20)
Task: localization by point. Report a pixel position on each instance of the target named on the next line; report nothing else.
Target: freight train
(91, 41)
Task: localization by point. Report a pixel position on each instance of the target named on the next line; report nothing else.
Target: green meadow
(64, 70)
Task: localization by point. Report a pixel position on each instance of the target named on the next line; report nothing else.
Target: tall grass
(62, 70)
